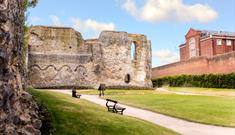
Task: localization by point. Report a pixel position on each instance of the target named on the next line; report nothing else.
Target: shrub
(128, 88)
(205, 80)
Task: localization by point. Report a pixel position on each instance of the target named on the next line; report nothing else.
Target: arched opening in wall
(133, 50)
(127, 78)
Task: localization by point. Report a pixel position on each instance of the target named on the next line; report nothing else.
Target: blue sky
(165, 22)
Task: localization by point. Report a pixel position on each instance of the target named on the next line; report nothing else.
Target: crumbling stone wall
(119, 68)
(18, 112)
(59, 57)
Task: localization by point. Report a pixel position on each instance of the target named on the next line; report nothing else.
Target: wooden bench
(112, 106)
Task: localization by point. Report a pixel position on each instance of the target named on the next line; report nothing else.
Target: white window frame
(229, 42)
(219, 42)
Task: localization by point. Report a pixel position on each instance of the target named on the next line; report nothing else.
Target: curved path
(178, 125)
(191, 93)
(181, 93)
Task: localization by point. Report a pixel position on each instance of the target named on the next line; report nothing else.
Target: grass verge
(71, 116)
(203, 109)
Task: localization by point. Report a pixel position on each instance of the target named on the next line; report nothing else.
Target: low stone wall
(221, 64)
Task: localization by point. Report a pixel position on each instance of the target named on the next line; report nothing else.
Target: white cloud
(130, 7)
(91, 25)
(168, 10)
(56, 20)
(166, 56)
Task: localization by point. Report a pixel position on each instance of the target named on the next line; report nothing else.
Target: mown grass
(212, 110)
(71, 116)
(207, 91)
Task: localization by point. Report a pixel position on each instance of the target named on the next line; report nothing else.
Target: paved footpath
(178, 125)
(181, 93)
(189, 93)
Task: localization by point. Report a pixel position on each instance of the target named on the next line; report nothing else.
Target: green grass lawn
(204, 109)
(209, 91)
(72, 116)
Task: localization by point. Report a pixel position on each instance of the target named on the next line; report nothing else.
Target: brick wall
(224, 63)
(207, 48)
(183, 53)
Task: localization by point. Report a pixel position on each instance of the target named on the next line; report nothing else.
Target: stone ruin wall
(117, 62)
(61, 58)
(18, 111)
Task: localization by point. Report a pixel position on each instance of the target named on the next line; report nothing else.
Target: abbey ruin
(59, 57)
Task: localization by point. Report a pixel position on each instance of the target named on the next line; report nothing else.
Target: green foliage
(29, 3)
(206, 81)
(129, 88)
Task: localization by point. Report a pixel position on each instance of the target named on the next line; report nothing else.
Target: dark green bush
(128, 88)
(206, 81)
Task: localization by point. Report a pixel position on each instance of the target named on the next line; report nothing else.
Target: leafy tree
(30, 3)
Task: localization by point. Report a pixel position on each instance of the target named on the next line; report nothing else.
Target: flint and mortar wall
(59, 57)
(18, 111)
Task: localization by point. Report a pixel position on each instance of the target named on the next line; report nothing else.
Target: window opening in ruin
(127, 78)
(133, 50)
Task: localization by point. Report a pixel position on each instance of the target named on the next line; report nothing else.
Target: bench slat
(111, 100)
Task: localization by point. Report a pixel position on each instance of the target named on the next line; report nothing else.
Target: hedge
(128, 88)
(206, 81)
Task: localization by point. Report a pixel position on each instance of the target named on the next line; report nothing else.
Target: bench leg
(111, 110)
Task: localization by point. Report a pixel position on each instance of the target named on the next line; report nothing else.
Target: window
(127, 78)
(219, 41)
(133, 50)
(192, 48)
(228, 42)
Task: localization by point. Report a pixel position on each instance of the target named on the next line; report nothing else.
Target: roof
(206, 33)
(182, 45)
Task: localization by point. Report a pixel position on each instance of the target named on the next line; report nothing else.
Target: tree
(30, 3)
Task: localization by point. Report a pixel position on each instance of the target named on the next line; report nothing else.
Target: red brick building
(205, 52)
(206, 43)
